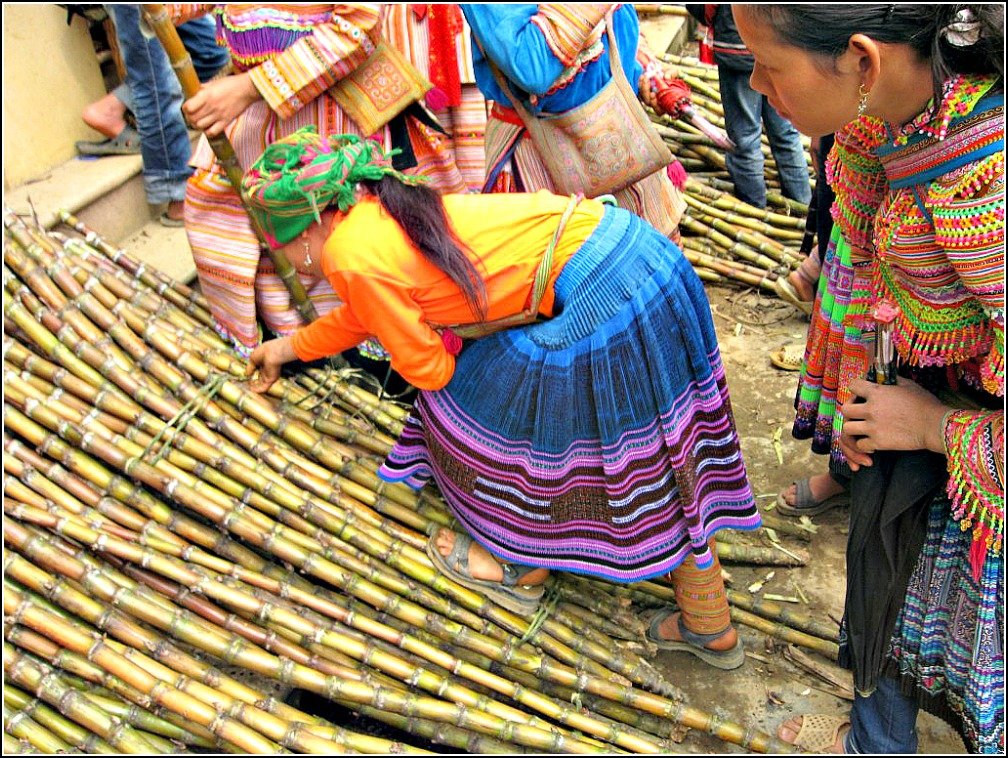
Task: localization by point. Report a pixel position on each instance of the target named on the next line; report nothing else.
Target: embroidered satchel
(380, 88)
(599, 147)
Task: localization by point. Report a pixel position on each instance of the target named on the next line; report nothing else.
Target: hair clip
(964, 31)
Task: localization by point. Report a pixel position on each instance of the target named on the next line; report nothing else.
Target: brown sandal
(789, 357)
(819, 732)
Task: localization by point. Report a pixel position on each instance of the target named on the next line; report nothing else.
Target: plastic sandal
(694, 644)
(788, 357)
(819, 732)
(786, 292)
(517, 598)
(805, 504)
(127, 142)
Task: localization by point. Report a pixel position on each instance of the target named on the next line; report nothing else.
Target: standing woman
(285, 58)
(558, 55)
(916, 96)
(599, 440)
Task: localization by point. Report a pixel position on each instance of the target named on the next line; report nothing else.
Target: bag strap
(546, 264)
(542, 276)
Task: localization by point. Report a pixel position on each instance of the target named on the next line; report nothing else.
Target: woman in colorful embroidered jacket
(286, 57)
(599, 441)
(558, 53)
(919, 178)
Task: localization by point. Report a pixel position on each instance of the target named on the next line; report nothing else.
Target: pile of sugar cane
(165, 526)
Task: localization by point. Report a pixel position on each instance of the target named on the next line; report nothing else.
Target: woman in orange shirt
(594, 435)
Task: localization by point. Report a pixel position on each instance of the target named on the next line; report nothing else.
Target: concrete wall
(50, 72)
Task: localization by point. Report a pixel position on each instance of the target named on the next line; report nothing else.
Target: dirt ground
(764, 694)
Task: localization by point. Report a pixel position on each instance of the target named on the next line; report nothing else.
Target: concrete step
(107, 194)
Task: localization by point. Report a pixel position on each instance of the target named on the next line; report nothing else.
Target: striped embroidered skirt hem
(947, 650)
(817, 416)
(600, 441)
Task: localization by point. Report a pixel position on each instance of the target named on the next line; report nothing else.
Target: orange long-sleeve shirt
(390, 291)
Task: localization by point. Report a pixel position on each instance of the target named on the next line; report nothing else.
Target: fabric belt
(505, 114)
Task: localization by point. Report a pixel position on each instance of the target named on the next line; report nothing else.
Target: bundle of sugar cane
(163, 521)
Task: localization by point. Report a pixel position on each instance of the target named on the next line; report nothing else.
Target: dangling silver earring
(863, 103)
(307, 253)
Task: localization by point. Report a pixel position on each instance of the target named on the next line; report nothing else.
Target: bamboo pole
(775, 611)
(77, 737)
(21, 726)
(91, 679)
(304, 677)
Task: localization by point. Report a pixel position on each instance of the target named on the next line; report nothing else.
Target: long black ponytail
(419, 211)
(826, 28)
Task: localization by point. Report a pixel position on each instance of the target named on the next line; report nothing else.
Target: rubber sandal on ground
(517, 598)
(694, 643)
(819, 732)
(165, 220)
(127, 142)
(788, 357)
(805, 504)
(786, 292)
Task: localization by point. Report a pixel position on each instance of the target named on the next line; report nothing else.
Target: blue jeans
(200, 38)
(884, 722)
(746, 113)
(156, 103)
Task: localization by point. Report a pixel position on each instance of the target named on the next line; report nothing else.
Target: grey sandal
(517, 598)
(695, 644)
(806, 505)
(127, 142)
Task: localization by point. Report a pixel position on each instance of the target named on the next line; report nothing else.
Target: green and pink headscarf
(299, 176)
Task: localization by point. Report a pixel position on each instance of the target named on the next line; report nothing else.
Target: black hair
(419, 211)
(825, 29)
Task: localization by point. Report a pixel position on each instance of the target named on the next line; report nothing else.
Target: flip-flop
(694, 643)
(127, 142)
(517, 598)
(805, 504)
(818, 732)
(788, 357)
(786, 292)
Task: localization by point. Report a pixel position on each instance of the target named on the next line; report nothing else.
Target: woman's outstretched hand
(901, 417)
(219, 102)
(265, 362)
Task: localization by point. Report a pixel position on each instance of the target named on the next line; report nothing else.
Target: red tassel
(978, 552)
(677, 174)
(451, 341)
(436, 99)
